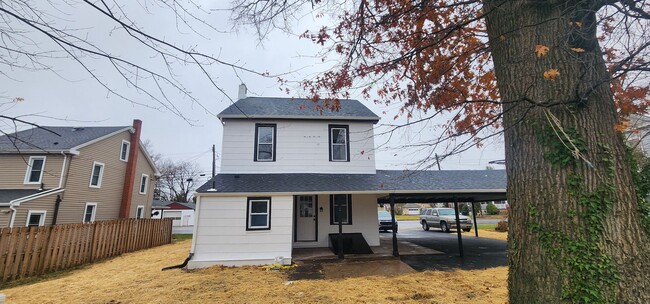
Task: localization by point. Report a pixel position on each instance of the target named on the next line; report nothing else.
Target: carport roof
(482, 184)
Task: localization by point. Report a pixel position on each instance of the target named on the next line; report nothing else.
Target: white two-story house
(294, 173)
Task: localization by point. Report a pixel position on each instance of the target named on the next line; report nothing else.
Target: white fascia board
(299, 117)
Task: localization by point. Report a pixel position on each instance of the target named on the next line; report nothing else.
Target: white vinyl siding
(96, 175)
(301, 147)
(364, 220)
(35, 169)
(221, 236)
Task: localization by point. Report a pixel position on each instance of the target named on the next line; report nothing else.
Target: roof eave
(373, 119)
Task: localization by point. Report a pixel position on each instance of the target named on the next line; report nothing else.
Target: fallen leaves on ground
(136, 278)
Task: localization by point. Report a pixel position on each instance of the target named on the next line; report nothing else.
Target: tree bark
(573, 205)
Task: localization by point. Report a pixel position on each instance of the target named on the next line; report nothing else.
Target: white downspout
(65, 160)
(13, 214)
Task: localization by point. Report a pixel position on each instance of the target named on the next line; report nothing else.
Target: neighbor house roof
(384, 181)
(296, 108)
(160, 204)
(55, 139)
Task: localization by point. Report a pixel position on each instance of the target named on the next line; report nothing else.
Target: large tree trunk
(576, 233)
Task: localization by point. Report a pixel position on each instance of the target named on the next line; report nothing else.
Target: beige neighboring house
(638, 133)
(60, 175)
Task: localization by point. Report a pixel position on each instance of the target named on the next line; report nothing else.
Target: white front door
(306, 217)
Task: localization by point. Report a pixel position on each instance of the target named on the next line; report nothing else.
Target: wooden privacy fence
(30, 251)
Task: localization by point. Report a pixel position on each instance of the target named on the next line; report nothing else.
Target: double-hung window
(96, 175)
(124, 151)
(265, 142)
(341, 209)
(36, 218)
(35, 169)
(339, 143)
(258, 212)
(89, 212)
(143, 183)
(139, 212)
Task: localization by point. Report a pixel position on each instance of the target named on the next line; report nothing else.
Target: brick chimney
(242, 91)
(129, 176)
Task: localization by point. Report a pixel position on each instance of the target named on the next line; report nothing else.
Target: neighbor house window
(139, 212)
(341, 209)
(339, 143)
(265, 142)
(35, 218)
(124, 152)
(258, 213)
(89, 212)
(143, 183)
(35, 169)
(96, 175)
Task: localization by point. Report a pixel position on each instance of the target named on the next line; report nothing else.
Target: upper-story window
(124, 151)
(339, 143)
(265, 142)
(143, 183)
(96, 175)
(35, 169)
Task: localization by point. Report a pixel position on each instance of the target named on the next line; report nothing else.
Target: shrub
(502, 226)
(464, 210)
(492, 209)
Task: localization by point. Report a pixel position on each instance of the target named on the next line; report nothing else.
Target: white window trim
(30, 163)
(146, 184)
(92, 217)
(128, 149)
(101, 175)
(250, 214)
(136, 211)
(41, 222)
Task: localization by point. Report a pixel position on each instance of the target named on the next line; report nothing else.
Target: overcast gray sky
(68, 95)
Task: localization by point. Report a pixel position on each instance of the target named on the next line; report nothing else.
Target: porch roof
(412, 186)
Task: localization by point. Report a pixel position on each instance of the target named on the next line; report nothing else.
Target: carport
(467, 196)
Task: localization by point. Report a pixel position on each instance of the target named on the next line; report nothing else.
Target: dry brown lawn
(492, 234)
(136, 278)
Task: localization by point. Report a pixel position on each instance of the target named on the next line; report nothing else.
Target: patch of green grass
(487, 226)
(181, 237)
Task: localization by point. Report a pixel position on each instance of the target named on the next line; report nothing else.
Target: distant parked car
(443, 218)
(385, 221)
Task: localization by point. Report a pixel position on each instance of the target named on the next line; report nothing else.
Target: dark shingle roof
(7, 195)
(40, 139)
(160, 204)
(296, 108)
(383, 181)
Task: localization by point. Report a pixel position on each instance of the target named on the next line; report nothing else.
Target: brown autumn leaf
(541, 50)
(578, 50)
(551, 74)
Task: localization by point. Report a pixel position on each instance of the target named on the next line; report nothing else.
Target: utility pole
(214, 157)
(438, 162)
